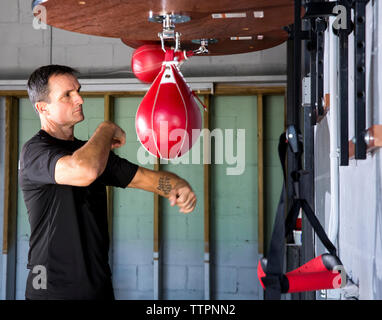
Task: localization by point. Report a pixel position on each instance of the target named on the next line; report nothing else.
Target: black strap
(314, 222)
(273, 281)
(318, 229)
(274, 268)
(275, 263)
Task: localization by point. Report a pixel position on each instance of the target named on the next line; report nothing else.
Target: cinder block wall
(234, 239)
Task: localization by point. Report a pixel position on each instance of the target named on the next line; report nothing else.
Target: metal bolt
(368, 138)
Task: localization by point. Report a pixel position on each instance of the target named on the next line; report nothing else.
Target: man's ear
(40, 107)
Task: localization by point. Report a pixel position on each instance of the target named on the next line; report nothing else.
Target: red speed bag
(146, 62)
(168, 115)
(322, 272)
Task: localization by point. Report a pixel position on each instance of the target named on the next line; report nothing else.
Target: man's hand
(168, 185)
(183, 196)
(119, 136)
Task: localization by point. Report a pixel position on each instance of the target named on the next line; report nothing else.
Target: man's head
(54, 92)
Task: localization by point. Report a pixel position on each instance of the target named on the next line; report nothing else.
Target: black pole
(313, 71)
(344, 100)
(320, 46)
(360, 78)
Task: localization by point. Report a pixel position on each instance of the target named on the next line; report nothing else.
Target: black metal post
(360, 78)
(294, 99)
(307, 249)
(343, 34)
(309, 120)
(320, 28)
(313, 71)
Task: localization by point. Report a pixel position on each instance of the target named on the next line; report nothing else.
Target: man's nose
(78, 99)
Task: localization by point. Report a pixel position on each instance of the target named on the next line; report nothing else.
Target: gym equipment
(168, 120)
(146, 61)
(323, 272)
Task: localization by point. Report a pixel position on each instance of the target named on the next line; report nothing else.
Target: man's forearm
(177, 190)
(160, 182)
(167, 185)
(94, 154)
(165, 182)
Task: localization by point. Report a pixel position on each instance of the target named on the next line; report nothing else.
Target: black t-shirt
(69, 231)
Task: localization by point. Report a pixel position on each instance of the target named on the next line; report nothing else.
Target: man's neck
(59, 132)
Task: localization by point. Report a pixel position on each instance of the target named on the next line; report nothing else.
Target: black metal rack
(317, 14)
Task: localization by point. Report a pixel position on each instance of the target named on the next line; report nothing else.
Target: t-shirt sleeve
(118, 172)
(39, 161)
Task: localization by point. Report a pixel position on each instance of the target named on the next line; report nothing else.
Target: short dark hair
(38, 88)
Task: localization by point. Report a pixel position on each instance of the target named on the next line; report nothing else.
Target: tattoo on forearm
(164, 185)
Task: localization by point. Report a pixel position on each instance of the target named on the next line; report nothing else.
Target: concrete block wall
(234, 253)
(25, 48)
(234, 237)
(182, 240)
(132, 247)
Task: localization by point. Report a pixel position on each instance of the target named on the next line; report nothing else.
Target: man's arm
(88, 162)
(168, 185)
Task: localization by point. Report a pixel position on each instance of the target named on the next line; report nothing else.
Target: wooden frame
(207, 200)
(260, 172)
(109, 116)
(10, 193)
(156, 247)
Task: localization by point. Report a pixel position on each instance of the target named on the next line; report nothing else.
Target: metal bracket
(168, 32)
(317, 13)
(292, 138)
(203, 49)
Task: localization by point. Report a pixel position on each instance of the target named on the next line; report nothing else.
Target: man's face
(65, 103)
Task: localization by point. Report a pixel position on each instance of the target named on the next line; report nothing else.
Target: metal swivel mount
(203, 45)
(168, 32)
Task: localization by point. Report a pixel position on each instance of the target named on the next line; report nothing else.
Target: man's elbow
(88, 173)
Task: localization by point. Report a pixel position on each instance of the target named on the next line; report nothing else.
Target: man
(64, 184)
